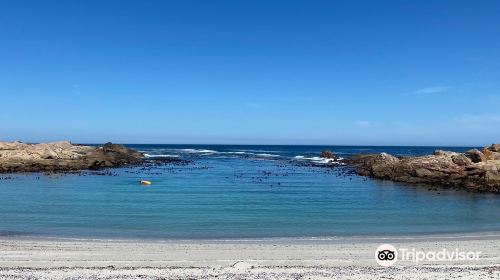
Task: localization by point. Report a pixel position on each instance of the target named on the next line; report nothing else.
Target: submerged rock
(63, 156)
(472, 170)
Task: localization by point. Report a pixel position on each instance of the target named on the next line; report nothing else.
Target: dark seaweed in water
(158, 161)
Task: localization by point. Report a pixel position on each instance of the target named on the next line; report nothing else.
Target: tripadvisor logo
(387, 255)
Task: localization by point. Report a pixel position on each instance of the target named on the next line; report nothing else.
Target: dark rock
(441, 153)
(112, 155)
(475, 155)
(328, 154)
(116, 149)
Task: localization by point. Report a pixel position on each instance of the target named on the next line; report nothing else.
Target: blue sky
(251, 72)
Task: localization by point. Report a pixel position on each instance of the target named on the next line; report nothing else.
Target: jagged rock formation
(62, 156)
(474, 170)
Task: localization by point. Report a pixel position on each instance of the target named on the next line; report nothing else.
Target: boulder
(110, 155)
(475, 155)
(488, 154)
(457, 158)
(461, 159)
(115, 148)
(494, 148)
(495, 156)
(328, 154)
(442, 153)
(379, 166)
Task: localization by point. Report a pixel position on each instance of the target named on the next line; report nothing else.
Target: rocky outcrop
(328, 154)
(63, 156)
(474, 170)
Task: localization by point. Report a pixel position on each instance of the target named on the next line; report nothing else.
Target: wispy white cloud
(428, 90)
(362, 123)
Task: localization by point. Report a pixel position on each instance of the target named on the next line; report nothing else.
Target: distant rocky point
(474, 169)
(63, 156)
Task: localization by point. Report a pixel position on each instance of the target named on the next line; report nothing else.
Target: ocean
(234, 192)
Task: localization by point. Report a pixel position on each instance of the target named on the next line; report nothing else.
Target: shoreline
(458, 236)
(343, 259)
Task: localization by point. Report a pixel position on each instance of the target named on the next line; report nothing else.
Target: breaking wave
(318, 160)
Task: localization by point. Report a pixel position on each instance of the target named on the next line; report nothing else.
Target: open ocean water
(229, 191)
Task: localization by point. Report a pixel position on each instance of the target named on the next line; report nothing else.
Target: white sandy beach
(342, 258)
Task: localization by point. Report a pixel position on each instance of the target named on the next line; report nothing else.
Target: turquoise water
(237, 192)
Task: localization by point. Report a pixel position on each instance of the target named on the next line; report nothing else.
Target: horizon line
(336, 145)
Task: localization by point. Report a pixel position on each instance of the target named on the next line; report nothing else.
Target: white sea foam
(249, 153)
(260, 151)
(266, 155)
(206, 152)
(150, 156)
(197, 151)
(318, 159)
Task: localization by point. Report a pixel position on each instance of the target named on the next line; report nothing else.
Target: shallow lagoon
(237, 192)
